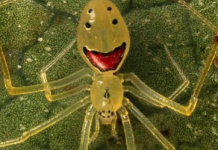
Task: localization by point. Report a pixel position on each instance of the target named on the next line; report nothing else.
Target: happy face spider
(103, 43)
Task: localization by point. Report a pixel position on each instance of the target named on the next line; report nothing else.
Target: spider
(103, 43)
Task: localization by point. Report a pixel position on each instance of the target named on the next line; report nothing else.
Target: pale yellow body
(103, 38)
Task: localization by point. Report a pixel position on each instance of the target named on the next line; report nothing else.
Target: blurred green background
(33, 32)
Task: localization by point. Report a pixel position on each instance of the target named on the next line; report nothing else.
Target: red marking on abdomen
(106, 61)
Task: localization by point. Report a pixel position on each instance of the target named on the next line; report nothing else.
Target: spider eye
(115, 21)
(109, 8)
(87, 25)
(90, 11)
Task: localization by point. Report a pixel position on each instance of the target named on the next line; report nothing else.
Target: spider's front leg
(67, 80)
(17, 90)
(45, 86)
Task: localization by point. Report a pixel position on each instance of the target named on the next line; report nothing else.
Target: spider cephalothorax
(107, 96)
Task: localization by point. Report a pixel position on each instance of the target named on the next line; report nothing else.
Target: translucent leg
(84, 142)
(142, 96)
(130, 141)
(148, 124)
(43, 71)
(97, 129)
(68, 93)
(47, 123)
(185, 82)
(155, 97)
(113, 127)
(38, 87)
(77, 75)
(6, 2)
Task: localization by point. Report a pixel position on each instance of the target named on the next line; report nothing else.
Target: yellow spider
(103, 42)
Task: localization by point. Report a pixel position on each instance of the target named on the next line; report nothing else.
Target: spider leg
(40, 87)
(130, 141)
(47, 123)
(6, 2)
(75, 76)
(68, 93)
(84, 141)
(141, 95)
(185, 82)
(113, 127)
(155, 97)
(148, 124)
(97, 129)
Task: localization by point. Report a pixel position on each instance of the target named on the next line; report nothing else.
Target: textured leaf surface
(33, 32)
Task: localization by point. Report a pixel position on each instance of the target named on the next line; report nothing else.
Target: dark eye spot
(90, 10)
(88, 25)
(109, 8)
(115, 21)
